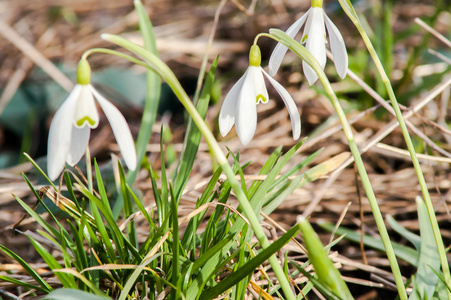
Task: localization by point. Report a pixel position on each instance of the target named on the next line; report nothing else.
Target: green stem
(89, 169)
(303, 53)
(166, 74)
(368, 190)
(113, 52)
(152, 93)
(413, 156)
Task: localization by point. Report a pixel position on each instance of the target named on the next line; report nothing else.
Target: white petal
(86, 111)
(261, 93)
(79, 143)
(279, 52)
(120, 129)
(60, 134)
(227, 114)
(338, 48)
(290, 104)
(246, 108)
(315, 42)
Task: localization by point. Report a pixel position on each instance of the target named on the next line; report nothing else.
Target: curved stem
(413, 156)
(303, 53)
(113, 52)
(166, 74)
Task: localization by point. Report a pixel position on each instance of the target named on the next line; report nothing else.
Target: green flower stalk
(159, 67)
(304, 54)
(349, 10)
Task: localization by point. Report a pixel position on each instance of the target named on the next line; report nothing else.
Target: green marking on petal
(86, 119)
(261, 98)
(304, 38)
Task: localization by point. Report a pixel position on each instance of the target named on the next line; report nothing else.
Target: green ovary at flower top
(71, 126)
(314, 38)
(240, 104)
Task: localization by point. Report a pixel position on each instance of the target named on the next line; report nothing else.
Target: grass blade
(45, 287)
(67, 280)
(251, 265)
(406, 253)
(193, 136)
(324, 267)
(425, 280)
(73, 294)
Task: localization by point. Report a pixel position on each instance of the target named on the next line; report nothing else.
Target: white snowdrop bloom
(240, 104)
(314, 38)
(71, 126)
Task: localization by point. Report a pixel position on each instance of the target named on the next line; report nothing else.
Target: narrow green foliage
(164, 181)
(106, 244)
(443, 283)
(157, 196)
(207, 278)
(251, 265)
(23, 284)
(101, 189)
(324, 268)
(402, 231)
(166, 73)
(285, 187)
(70, 190)
(128, 208)
(38, 218)
(193, 135)
(73, 294)
(66, 279)
(302, 52)
(115, 233)
(239, 288)
(138, 203)
(38, 168)
(44, 286)
(403, 252)
(175, 293)
(383, 41)
(421, 180)
(153, 90)
(269, 164)
(267, 183)
(63, 247)
(313, 281)
(80, 254)
(285, 176)
(349, 10)
(425, 280)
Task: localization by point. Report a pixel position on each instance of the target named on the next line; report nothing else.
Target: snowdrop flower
(71, 126)
(240, 104)
(314, 37)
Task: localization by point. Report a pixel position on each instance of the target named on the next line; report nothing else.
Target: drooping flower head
(71, 126)
(314, 38)
(240, 104)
